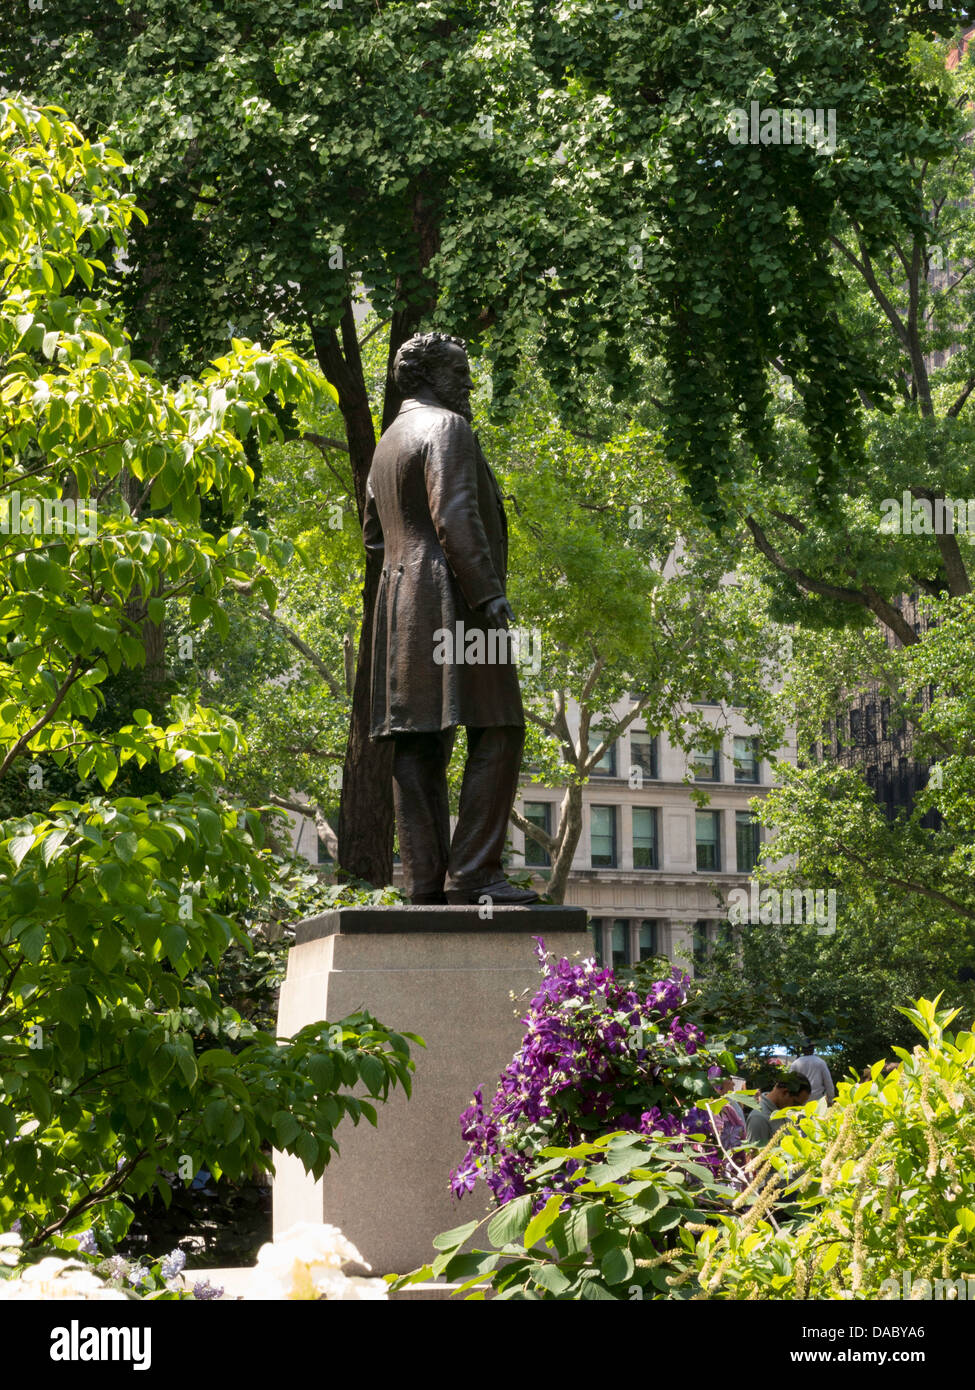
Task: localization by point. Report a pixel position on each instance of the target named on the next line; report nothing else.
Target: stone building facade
(652, 870)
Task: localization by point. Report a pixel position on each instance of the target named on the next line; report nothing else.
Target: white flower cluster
(50, 1277)
(307, 1262)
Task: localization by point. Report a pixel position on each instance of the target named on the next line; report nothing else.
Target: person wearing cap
(792, 1088)
(815, 1070)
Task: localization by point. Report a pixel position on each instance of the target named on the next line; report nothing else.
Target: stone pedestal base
(448, 975)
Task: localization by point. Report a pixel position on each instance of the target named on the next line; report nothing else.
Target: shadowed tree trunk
(366, 808)
(365, 830)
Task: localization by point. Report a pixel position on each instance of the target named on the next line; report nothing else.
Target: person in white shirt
(815, 1070)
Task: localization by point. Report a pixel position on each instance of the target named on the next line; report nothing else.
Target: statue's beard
(456, 400)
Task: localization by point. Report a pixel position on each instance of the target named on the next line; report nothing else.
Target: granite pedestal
(448, 975)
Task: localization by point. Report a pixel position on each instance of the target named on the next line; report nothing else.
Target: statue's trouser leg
(422, 809)
(486, 798)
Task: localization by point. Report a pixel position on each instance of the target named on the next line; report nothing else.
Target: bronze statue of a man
(435, 517)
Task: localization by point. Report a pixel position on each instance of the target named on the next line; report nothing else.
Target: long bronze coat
(435, 516)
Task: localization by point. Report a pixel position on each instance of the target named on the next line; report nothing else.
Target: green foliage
(355, 140)
(843, 990)
(497, 166)
(623, 1233)
(883, 1187)
(901, 292)
(111, 907)
(905, 910)
(717, 256)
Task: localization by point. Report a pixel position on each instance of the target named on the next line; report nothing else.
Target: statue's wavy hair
(419, 357)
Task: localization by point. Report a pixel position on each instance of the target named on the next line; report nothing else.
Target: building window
(606, 767)
(602, 836)
(701, 943)
(596, 931)
(747, 841)
(643, 754)
(645, 838)
(708, 825)
(620, 933)
(647, 940)
(746, 760)
(540, 814)
(706, 764)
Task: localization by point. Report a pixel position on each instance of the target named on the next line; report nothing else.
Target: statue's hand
(498, 611)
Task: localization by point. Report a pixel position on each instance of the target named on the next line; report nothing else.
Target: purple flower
(463, 1179)
(173, 1264)
(204, 1291)
(87, 1244)
(592, 1052)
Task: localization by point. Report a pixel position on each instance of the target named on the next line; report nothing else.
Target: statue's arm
(372, 531)
(450, 470)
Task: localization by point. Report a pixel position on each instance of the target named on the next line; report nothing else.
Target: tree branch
(862, 598)
(310, 655)
(310, 812)
(74, 671)
(533, 831)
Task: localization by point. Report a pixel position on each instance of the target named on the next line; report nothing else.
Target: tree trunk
(366, 807)
(570, 829)
(153, 678)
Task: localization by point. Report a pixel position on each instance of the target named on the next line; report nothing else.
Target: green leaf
(542, 1220)
(509, 1223)
(108, 876)
(53, 841)
(372, 1072)
(72, 1001)
(107, 948)
(617, 1266)
(174, 940)
(592, 1291)
(452, 1240)
(126, 845)
(19, 847)
(581, 1225)
(187, 1065)
(286, 1128)
(551, 1278)
(31, 942)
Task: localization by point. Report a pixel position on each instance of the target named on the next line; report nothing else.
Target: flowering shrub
(90, 1274)
(596, 1057)
(877, 1190)
(57, 1278)
(308, 1262)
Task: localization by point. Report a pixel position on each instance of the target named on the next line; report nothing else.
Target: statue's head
(436, 364)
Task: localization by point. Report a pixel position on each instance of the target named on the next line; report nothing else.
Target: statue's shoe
(500, 894)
